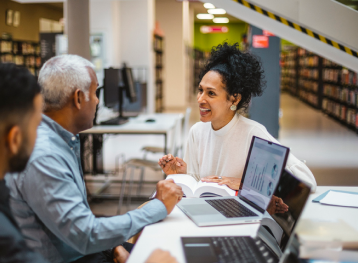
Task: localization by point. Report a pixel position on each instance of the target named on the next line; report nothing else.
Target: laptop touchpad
(199, 210)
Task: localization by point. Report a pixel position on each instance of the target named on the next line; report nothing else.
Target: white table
(166, 234)
(164, 123)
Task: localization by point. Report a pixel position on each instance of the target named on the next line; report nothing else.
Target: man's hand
(161, 256)
(232, 182)
(276, 206)
(169, 193)
(120, 255)
(172, 165)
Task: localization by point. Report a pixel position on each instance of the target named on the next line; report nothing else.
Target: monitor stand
(115, 121)
(120, 119)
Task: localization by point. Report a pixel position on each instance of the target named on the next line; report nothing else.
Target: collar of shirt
(224, 130)
(67, 136)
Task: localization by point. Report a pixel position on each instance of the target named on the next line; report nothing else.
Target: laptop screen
(263, 170)
(293, 194)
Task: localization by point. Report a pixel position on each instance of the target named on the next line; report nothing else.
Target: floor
(329, 149)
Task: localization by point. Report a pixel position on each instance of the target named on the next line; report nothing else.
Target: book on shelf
(193, 188)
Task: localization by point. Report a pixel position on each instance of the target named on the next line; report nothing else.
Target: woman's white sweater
(224, 152)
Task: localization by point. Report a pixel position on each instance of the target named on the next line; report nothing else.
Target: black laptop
(272, 239)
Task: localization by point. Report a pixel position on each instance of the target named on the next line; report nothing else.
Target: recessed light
(216, 11)
(204, 16)
(221, 20)
(209, 5)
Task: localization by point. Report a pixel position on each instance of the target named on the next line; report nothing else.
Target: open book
(192, 188)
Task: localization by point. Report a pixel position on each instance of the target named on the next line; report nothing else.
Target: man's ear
(14, 139)
(77, 99)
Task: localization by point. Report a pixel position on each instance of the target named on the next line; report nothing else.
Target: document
(340, 199)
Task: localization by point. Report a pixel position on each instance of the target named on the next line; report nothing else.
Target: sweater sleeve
(191, 156)
(293, 165)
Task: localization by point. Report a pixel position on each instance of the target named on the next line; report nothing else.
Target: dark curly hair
(241, 72)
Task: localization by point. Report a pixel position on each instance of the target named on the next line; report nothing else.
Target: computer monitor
(112, 84)
(117, 84)
(129, 83)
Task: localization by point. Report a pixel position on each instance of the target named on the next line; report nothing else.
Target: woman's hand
(172, 165)
(232, 182)
(276, 205)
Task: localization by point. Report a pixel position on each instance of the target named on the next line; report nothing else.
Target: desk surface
(166, 234)
(164, 122)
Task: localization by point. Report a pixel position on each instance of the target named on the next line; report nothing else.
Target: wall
(30, 15)
(205, 42)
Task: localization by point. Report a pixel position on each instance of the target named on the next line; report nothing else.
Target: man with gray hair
(49, 198)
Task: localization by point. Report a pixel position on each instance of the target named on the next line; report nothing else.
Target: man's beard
(18, 162)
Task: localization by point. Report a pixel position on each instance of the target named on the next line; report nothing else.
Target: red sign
(260, 41)
(267, 33)
(213, 29)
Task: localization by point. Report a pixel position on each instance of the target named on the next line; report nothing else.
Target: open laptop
(274, 239)
(264, 165)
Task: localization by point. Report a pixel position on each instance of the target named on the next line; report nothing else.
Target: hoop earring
(233, 107)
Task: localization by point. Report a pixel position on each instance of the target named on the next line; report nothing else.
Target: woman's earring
(233, 107)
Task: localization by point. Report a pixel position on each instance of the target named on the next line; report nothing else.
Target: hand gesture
(169, 193)
(231, 182)
(172, 165)
(161, 256)
(276, 205)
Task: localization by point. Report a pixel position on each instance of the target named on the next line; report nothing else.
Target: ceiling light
(204, 16)
(209, 6)
(216, 11)
(221, 20)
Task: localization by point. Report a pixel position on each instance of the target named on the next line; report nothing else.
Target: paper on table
(340, 199)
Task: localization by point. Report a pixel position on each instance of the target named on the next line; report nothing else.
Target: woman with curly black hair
(217, 146)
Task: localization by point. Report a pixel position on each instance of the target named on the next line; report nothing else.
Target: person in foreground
(49, 199)
(217, 146)
(20, 114)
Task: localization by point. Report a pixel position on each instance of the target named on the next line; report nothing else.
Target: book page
(218, 190)
(187, 183)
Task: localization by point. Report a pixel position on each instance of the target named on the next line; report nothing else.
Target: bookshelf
(22, 53)
(289, 68)
(158, 50)
(322, 84)
(200, 58)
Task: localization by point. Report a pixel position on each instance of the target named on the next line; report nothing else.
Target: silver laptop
(274, 242)
(264, 165)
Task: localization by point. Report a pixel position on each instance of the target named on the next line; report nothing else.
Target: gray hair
(60, 76)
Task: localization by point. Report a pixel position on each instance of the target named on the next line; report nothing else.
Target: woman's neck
(217, 125)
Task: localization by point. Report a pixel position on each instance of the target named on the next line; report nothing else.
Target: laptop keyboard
(240, 249)
(230, 208)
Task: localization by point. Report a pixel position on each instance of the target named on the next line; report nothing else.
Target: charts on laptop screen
(263, 172)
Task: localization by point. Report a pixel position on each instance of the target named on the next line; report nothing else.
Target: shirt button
(73, 138)
(71, 148)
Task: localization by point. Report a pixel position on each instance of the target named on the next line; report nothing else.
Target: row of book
(311, 61)
(343, 94)
(309, 85)
(309, 97)
(309, 73)
(342, 112)
(331, 75)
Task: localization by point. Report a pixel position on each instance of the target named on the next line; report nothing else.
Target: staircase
(324, 27)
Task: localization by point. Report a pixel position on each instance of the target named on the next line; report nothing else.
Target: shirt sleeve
(293, 165)
(51, 192)
(13, 248)
(191, 156)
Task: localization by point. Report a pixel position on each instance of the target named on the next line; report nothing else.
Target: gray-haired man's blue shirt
(49, 202)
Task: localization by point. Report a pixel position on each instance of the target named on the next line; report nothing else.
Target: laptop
(275, 237)
(264, 165)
